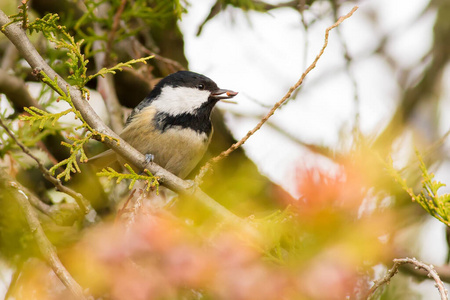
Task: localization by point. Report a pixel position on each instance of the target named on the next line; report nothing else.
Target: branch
(9, 58)
(105, 84)
(113, 32)
(256, 5)
(15, 89)
(420, 92)
(277, 105)
(14, 281)
(18, 37)
(348, 68)
(38, 204)
(141, 48)
(46, 248)
(417, 265)
(443, 271)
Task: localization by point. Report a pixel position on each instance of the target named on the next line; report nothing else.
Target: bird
(172, 125)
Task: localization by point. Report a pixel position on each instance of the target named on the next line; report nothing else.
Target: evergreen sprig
(21, 16)
(156, 14)
(436, 205)
(65, 96)
(42, 116)
(70, 164)
(151, 181)
(119, 67)
(77, 63)
(57, 34)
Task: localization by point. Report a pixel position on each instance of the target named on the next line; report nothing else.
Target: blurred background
(313, 178)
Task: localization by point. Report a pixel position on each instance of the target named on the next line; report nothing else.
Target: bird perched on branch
(172, 125)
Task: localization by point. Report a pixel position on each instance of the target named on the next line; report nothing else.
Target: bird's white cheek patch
(180, 100)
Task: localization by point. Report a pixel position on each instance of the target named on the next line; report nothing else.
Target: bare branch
(141, 48)
(46, 248)
(9, 58)
(277, 105)
(443, 271)
(15, 89)
(105, 84)
(113, 32)
(431, 272)
(261, 5)
(14, 280)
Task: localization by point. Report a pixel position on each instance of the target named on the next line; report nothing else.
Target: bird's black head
(188, 79)
(185, 92)
(184, 99)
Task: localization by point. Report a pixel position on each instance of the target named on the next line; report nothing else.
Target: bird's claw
(149, 158)
(193, 185)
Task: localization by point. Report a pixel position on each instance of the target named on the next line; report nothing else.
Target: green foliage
(156, 11)
(119, 67)
(76, 148)
(77, 63)
(42, 116)
(54, 32)
(70, 163)
(21, 16)
(16, 241)
(29, 135)
(152, 181)
(436, 205)
(136, 15)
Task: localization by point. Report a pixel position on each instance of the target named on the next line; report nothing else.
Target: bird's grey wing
(103, 159)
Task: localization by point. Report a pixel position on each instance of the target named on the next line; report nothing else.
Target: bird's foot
(149, 158)
(192, 185)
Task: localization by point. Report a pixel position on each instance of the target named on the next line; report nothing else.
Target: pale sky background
(262, 55)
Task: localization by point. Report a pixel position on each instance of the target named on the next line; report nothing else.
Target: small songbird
(172, 124)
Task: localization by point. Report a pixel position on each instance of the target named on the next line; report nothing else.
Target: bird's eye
(200, 86)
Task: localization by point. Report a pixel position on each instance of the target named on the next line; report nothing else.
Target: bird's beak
(221, 94)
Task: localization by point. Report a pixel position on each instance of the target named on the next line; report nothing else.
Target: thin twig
(9, 58)
(418, 265)
(436, 145)
(348, 67)
(39, 204)
(14, 280)
(46, 248)
(82, 202)
(233, 147)
(261, 5)
(124, 208)
(16, 90)
(176, 65)
(105, 84)
(113, 31)
(140, 48)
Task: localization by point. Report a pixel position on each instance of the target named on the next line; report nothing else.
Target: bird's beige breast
(176, 149)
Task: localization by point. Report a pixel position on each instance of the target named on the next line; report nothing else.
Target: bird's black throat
(198, 120)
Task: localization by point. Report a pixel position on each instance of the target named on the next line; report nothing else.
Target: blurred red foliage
(322, 246)
(156, 258)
